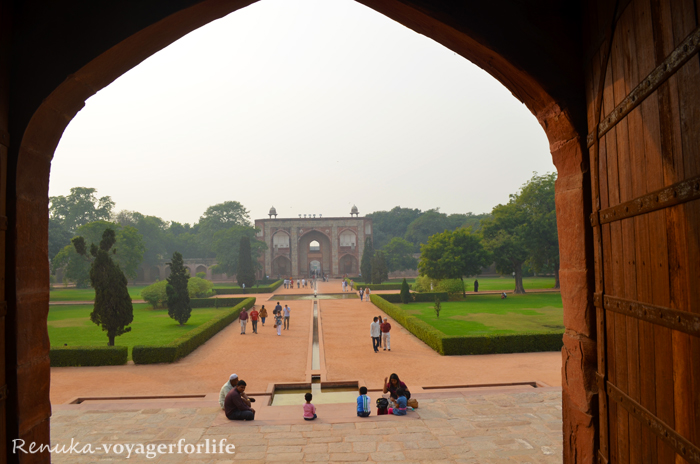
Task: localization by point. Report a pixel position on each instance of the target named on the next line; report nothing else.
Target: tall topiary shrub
(113, 310)
(178, 295)
(405, 292)
(366, 261)
(245, 274)
(380, 272)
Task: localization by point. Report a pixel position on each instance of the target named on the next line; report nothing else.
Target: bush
(201, 275)
(419, 297)
(376, 286)
(240, 291)
(155, 294)
(214, 302)
(405, 293)
(450, 286)
(452, 345)
(62, 356)
(199, 288)
(186, 344)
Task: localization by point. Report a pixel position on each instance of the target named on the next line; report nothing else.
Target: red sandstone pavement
(265, 358)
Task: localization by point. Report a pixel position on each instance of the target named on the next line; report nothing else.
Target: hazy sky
(308, 105)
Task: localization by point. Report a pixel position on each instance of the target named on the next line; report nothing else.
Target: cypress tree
(405, 292)
(113, 310)
(380, 272)
(366, 262)
(176, 290)
(245, 274)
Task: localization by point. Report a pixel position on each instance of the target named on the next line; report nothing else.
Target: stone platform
(504, 425)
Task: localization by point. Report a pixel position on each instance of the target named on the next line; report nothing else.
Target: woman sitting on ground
(393, 385)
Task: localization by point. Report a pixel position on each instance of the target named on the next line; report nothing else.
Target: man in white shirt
(375, 332)
(285, 313)
(228, 386)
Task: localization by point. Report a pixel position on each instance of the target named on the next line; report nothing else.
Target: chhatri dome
(273, 212)
(354, 211)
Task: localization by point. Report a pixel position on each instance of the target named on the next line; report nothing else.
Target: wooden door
(643, 94)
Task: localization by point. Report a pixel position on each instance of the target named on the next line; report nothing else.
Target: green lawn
(488, 314)
(87, 294)
(508, 283)
(70, 324)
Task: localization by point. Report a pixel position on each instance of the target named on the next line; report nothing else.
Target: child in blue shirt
(363, 402)
(400, 405)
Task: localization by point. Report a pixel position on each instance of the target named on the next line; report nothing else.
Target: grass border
(240, 291)
(454, 345)
(181, 347)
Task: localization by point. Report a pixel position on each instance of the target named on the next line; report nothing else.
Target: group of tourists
(380, 331)
(348, 286)
(396, 400)
(280, 315)
(301, 283)
(364, 294)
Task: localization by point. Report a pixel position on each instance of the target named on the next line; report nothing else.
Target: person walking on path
(286, 312)
(367, 294)
(278, 323)
(244, 320)
(235, 406)
(362, 294)
(278, 309)
(254, 320)
(476, 286)
(263, 315)
(375, 332)
(386, 336)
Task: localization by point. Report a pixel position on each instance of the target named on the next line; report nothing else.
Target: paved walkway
(454, 427)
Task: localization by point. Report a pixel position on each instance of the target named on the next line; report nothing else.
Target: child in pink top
(309, 409)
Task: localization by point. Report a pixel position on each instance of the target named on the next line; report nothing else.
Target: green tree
(113, 310)
(399, 255)
(536, 197)
(389, 224)
(453, 255)
(128, 254)
(504, 236)
(152, 229)
(380, 272)
(59, 237)
(429, 223)
(79, 208)
(220, 217)
(245, 273)
(366, 261)
(178, 295)
(226, 245)
(405, 292)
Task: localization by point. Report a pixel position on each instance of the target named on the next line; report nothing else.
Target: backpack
(382, 406)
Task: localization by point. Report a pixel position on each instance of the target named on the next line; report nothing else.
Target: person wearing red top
(244, 320)
(386, 336)
(254, 320)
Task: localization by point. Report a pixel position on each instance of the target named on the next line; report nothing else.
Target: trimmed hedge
(239, 291)
(419, 297)
(181, 347)
(451, 345)
(62, 356)
(214, 302)
(378, 286)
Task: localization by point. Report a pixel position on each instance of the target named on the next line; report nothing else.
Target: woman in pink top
(309, 409)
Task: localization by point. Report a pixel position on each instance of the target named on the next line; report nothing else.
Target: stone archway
(348, 265)
(307, 253)
(281, 267)
(538, 60)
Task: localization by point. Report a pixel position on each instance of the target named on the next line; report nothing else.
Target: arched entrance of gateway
(613, 84)
(281, 267)
(348, 265)
(314, 253)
